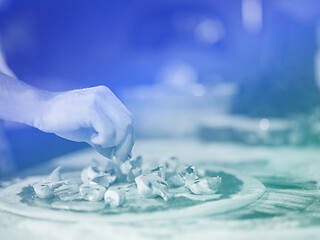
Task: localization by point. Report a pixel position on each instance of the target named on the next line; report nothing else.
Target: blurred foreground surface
(290, 207)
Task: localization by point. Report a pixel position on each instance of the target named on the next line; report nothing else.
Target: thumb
(124, 149)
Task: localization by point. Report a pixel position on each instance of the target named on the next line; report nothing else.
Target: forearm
(20, 102)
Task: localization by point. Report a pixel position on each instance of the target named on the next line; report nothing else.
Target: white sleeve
(3, 65)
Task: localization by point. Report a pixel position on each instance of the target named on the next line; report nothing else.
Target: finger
(106, 152)
(105, 135)
(79, 135)
(120, 104)
(118, 114)
(120, 124)
(123, 151)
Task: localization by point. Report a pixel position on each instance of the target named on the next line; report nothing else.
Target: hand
(93, 115)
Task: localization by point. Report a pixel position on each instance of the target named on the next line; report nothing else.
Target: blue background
(62, 45)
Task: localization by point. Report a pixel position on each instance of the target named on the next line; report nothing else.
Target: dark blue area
(74, 44)
(30, 146)
(61, 45)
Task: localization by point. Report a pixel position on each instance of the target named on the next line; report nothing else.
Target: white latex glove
(93, 115)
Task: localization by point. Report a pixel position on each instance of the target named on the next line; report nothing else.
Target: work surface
(289, 208)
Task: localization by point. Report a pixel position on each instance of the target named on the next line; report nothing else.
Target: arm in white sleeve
(93, 115)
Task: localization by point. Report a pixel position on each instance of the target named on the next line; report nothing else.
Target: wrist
(39, 102)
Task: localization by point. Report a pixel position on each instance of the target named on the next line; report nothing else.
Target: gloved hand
(93, 115)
